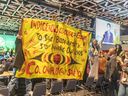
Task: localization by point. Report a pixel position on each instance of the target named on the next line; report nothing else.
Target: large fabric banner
(53, 50)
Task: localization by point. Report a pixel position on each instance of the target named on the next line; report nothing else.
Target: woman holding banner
(23, 85)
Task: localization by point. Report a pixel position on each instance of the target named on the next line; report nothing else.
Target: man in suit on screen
(108, 35)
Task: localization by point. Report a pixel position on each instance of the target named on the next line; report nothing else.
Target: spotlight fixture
(98, 1)
(116, 0)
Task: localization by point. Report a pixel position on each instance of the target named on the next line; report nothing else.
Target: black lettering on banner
(48, 38)
(60, 40)
(46, 46)
(59, 48)
(75, 52)
(39, 36)
(41, 45)
(68, 50)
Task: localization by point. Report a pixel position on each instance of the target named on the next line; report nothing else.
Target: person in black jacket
(19, 56)
(24, 85)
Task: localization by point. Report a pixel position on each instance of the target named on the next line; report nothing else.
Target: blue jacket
(106, 38)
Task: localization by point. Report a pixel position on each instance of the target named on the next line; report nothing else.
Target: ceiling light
(98, 1)
(3, 0)
(125, 3)
(116, 0)
(106, 3)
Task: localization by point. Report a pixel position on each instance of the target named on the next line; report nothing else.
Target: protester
(119, 49)
(94, 50)
(24, 85)
(99, 65)
(123, 88)
(95, 47)
(93, 63)
(111, 72)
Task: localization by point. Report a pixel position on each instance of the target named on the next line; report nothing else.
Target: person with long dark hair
(118, 49)
(95, 47)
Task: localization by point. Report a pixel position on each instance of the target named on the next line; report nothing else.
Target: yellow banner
(53, 50)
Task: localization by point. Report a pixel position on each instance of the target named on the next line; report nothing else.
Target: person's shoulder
(111, 33)
(113, 58)
(105, 32)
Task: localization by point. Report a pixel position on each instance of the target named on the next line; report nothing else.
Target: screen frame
(109, 21)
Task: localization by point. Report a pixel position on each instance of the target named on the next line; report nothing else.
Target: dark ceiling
(12, 11)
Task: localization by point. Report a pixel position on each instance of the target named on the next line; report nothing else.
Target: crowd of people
(6, 60)
(111, 66)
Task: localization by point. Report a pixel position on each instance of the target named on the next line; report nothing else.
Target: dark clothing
(19, 58)
(21, 91)
(24, 85)
(112, 74)
(96, 47)
(111, 67)
(107, 38)
(35, 81)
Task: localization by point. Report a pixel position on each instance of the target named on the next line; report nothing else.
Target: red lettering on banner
(37, 70)
(59, 70)
(35, 51)
(53, 70)
(29, 65)
(26, 52)
(31, 40)
(22, 71)
(74, 72)
(48, 70)
(42, 25)
(33, 24)
(44, 69)
(71, 72)
(79, 74)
